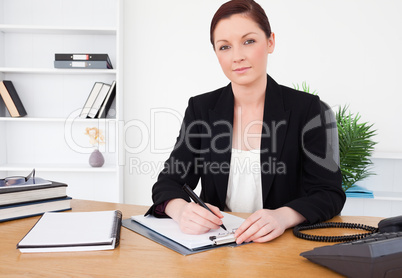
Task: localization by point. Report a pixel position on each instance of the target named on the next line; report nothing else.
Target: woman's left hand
(265, 225)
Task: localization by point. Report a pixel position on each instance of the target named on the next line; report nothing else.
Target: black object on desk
(197, 200)
(377, 255)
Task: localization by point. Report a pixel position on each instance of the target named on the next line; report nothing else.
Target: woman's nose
(238, 55)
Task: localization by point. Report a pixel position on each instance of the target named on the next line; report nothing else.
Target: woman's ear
(271, 43)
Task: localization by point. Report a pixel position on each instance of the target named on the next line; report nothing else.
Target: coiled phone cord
(297, 231)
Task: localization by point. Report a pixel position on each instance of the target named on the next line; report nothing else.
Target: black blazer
(290, 175)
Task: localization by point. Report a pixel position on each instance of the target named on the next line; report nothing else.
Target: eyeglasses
(15, 180)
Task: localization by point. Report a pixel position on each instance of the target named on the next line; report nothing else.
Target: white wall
(349, 51)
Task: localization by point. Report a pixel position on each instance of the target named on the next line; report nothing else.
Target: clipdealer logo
(146, 138)
(116, 133)
(331, 159)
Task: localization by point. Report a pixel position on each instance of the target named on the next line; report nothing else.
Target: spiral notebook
(73, 231)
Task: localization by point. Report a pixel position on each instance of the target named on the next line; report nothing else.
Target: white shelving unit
(51, 137)
(387, 155)
(386, 186)
(58, 71)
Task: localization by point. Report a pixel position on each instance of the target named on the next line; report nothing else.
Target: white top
(244, 187)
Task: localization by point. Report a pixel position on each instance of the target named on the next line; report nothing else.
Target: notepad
(170, 229)
(73, 231)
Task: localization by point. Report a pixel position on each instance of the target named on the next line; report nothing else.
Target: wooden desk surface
(139, 257)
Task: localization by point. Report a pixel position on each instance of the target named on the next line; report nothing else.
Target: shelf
(57, 71)
(388, 196)
(9, 28)
(382, 196)
(55, 120)
(75, 168)
(387, 155)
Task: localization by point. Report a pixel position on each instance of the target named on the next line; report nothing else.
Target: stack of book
(79, 61)
(11, 99)
(33, 197)
(99, 101)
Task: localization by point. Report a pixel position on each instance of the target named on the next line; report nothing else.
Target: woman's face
(242, 49)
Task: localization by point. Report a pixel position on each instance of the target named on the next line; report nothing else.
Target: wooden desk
(139, 257)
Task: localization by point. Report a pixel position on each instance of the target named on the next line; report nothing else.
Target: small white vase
(96, 159)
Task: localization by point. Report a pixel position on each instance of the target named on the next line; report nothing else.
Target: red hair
(248, 8)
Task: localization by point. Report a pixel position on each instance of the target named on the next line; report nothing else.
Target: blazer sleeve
(322, 197)
(179, 168)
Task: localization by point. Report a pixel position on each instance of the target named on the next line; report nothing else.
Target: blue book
(359, 192)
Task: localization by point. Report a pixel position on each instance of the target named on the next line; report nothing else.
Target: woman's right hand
(192, 218)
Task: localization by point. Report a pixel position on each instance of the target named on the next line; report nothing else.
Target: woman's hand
(265, 225)
(192, 218)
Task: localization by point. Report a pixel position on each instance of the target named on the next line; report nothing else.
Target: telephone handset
(392, 224)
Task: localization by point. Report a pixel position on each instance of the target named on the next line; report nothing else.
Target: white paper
(80, 57)
(169, 228)
(78, 64)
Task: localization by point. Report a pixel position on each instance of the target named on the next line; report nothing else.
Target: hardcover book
(28, 209)
(29, 192)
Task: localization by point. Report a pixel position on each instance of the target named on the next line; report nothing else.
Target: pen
(197, 200)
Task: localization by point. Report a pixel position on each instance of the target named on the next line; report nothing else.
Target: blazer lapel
(273, 136)
(276, 121)
(221, 123)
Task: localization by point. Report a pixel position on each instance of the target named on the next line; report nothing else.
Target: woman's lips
(242, 70)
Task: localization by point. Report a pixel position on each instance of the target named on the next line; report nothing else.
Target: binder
(107, 103)
(82, 57)
(82, 64)
(96, 106)
(11, 99)
(162, 229)
(91, 99)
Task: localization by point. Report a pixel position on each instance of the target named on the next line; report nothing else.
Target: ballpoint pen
(197, 200)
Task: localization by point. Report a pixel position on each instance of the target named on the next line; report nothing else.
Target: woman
(248, 143)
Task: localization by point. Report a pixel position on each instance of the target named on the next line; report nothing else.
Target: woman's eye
(249, 41)
(224, 47)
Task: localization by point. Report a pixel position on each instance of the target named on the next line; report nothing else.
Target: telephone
(392, 224)
(377, 253)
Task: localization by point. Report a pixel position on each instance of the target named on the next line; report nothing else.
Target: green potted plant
(356, 144)
(355, 147)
